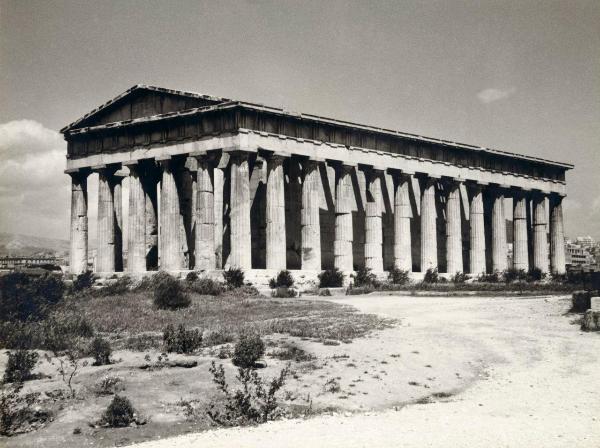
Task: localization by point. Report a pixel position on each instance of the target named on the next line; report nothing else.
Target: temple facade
(216, 183)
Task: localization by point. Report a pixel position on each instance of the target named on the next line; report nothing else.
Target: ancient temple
(217, 183)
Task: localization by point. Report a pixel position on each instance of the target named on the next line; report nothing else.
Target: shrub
(488, 278)
(459, 278)
(399, 276)
(324, 292)
(234, 277)
(253, 402)
(19, 366)
(83, 281)
(248, 349)
(108, 385)
(581, 301)
(512, 275)
(28, 298)
(118, 287)
(119, 413)
(284, 279)
(291, 352)
(535, 274)
(168, 293)
(16, 413)
(431, 276)
(191, 277)
(331, 278)
(218, 337)
(284, 293)
(207, 286)
(100, 349)
(358, 290)
(364, 277)
(181, 340)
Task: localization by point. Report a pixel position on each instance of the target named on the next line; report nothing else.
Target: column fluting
(105, 253)
(342, 244)
(309, 219)
(454, 255)
(402, 216)
(520, 241)
(118, 203)
(240, 235)
(171, 258)
(373, 225)
(540, 235)
(557, 236)
(205, 216)
(428, 226)
(499, 256)
(78, 255)
(275, 214)
(136, 235)
(477, 234)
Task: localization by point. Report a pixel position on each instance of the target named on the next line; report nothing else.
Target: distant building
(18, 262)
(577, 255)
(587, 242)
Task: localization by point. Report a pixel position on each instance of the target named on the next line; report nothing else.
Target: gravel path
(540, 388)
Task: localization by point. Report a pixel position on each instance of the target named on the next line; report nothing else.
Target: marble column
(105, 254)
(205, 258)
(136, 235)
(428, 226)
(218, 197)
(78, 255)
(557, 236)
(373, 227)
(499, 256)
(540, 235)
(275, 214)
(309, 218)
(150, 181)
(240, 255)
(118, 203)
(477, 235)
(342, 244)
(520, 242)
(402, 216)
(171, 258)
(454, 255)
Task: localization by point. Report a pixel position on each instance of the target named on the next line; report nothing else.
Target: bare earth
(520, 372)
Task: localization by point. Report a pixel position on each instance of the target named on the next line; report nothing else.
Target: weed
(181, 340)
(234, 278)
(284, 279)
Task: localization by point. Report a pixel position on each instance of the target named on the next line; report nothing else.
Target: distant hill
(14, 244)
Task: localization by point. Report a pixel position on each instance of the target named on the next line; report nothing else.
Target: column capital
(106, 169)
(79, 172)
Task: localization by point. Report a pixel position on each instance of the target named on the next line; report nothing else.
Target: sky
(521, 76)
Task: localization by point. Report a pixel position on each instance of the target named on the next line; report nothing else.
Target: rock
(595, 303)
(591, 321)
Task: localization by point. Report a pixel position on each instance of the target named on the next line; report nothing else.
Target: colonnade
(471, 214)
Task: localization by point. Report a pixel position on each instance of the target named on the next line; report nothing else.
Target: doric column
(240, 242)
(309, 218)
(557, 236)
(402, 216)
(171, 258)
(373, 228)
(222, 163)
(118, 203)
(136, 235)
(454, 255)
(150, 180)
(205, 216)
(540, 237)
(78, 255)
(428, 226)
(520, 244)
(477, 235)
(105, 254)
(499, 261)
(342, 244)
(275, 214)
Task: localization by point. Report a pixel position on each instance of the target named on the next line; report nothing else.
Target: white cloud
(487, 96)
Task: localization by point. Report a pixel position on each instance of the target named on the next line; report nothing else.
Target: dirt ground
(471, 372)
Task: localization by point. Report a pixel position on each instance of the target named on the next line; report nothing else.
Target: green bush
(19, 366)
(234, 278)
(284, 293)
(364, 277)
(399, 276)
(181, 340)
(100, 349)
(431, 276)
(23, 297)
(284, 279)
(331, 278)
(459, 278)
(119, 413)
(248, 349)
(207, 287)
(168, 293)
(83, 281)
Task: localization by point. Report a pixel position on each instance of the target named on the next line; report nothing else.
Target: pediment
(142, 101)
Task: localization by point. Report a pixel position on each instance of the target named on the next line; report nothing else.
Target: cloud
(34, 191)
(487, 96)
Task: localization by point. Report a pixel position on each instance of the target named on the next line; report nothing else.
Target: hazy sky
(522, 76)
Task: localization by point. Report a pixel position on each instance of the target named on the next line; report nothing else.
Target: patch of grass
(291, 352)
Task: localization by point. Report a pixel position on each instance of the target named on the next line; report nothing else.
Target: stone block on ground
(591, 321)
(595, 303)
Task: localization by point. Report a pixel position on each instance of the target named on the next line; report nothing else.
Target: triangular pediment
(142, 101)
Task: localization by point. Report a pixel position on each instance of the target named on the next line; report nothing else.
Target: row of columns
(209, 191)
